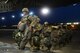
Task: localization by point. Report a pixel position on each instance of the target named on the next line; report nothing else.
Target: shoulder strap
(27, 16)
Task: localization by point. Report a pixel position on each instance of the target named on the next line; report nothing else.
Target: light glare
(3, 18)
(75, 4)
(13, 16)
(69, 23)
(22, 14)
(45, 11)
(31, 13)
(76, 23)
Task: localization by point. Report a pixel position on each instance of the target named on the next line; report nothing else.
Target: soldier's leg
(23, 43)
(29, 38)
(24, 40)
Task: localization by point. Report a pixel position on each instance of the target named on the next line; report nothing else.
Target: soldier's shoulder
(30, 17)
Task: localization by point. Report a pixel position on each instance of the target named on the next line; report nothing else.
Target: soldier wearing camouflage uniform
(24, 25)
(36, 27)
(46, 38)
(54, 36)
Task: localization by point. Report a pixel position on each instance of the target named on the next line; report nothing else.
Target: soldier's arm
(21, 21)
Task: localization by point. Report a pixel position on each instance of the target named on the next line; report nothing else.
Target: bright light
(75, 4)
(22, 14)
(13, 16)
(3, 18)
(45, 10)
(68, 23)
(76, 23)
(31, 13)
(61, 23)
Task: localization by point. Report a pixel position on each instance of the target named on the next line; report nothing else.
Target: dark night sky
(66, 14)
(62, 14)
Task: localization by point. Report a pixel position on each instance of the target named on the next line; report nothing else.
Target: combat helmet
(45, 23)
(25, 10)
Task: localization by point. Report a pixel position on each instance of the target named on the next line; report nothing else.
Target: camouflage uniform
(29, 30)
(26, 27)
(46, 38)
(36, 32)
(54, 36)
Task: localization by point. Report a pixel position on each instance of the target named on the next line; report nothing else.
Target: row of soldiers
(40, 36)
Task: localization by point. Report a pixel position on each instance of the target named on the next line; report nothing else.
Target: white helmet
(45, 22)
(37, 18)
(25, 10)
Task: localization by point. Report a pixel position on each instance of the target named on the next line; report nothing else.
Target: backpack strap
(27, 16)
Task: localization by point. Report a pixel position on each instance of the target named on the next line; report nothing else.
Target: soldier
(46, 38)
(44, 29)
(36, 26)
(54, 36)
(36, 39)
(24, 25)
(17, 35)
(21, 27)
(68, 35)
(62, 36)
